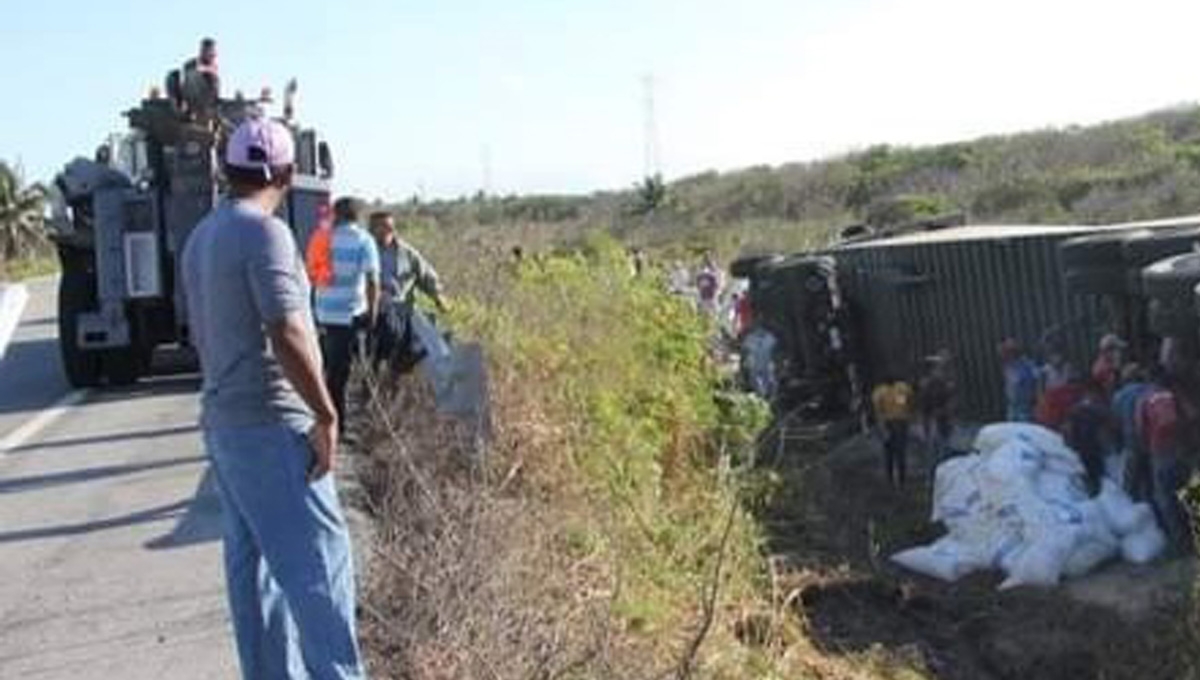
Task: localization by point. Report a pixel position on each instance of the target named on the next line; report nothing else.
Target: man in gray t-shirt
(270, 426)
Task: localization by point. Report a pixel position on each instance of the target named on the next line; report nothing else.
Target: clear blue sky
(411, 94)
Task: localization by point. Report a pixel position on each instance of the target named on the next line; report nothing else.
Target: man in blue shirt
(350, 302)
(1020, 382)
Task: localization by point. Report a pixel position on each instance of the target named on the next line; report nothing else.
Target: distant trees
(21, 228)
(649, 195)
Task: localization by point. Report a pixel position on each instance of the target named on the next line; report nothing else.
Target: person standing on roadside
(935, 398)
(709, 283)
(403, 271)
(1164, 420)
(1135, 472)
(270, 426)
(350, 302)
(1106, 370)
(893, 403)
(1020, 382)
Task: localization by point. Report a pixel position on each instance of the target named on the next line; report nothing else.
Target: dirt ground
(834, 522)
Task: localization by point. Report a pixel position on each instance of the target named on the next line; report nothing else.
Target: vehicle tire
(76, 295)
(1178, 320)
(1096, 280)
(1094, 251)
(1173, 280)
(122, 366)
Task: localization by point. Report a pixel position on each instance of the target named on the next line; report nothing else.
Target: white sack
(1042, 562)
(1121, 514)
(1145, 545)
(955, 488)
(941, 559)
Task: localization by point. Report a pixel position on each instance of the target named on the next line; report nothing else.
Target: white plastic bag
(1042, 562)
(955, 489)
(1089, 554)
(1121, 514)
(1144, 545)
(1013, 461)
(942, 559)
(1053, 485)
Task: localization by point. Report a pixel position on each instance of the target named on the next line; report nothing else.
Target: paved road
(109, 527)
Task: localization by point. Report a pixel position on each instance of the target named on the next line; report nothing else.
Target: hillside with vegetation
(1138, 168)
(611, 527)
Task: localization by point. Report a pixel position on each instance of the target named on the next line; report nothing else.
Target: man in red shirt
(1162, 419)
(1057, 401)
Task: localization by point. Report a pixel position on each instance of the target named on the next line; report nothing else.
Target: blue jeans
(288, 567)
(1168, 477)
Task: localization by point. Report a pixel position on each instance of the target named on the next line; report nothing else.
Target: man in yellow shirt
(893, 402)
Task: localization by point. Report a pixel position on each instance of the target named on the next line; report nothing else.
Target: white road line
(12, 303)
(39, 422)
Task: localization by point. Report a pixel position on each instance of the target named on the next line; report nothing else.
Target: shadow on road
(34, 482)
(30, 376)
(200, 523)
(199, 519)
(157, 514)
(89, 440)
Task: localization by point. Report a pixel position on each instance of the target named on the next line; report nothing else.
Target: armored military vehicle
(121, 218)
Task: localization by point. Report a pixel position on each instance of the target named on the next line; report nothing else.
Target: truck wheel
(122, 366)
(1172, 280)
(1177, 320)
(76, 295)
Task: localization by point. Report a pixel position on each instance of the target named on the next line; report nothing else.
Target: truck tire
(1176, 319)
(76, 294)
(122, 366)
(1145, 249)
(1173, 280)
(1096, 280)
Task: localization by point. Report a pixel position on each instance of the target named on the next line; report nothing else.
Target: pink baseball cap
(260, 144)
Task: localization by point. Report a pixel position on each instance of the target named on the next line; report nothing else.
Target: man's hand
(324, 440)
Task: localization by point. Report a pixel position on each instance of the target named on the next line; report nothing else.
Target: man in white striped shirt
(351, 300)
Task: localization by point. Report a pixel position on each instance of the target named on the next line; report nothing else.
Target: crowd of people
(1136, 423)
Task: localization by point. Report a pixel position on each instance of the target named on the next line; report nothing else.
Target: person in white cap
(270, 426)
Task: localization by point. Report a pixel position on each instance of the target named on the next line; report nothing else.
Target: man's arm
(426, 276)
(293, 348)
(371, 269)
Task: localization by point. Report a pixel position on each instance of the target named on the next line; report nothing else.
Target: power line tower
(652, 163)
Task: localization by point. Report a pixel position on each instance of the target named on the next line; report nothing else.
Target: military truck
(120, 221)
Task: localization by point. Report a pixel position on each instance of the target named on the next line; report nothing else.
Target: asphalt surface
(109, 527)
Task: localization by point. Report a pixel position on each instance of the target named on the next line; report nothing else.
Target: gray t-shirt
(241, 271)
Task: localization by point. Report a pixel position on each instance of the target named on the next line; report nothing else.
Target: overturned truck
(121, 218)
(847, 315)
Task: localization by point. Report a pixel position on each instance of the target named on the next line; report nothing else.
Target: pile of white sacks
(1019, 504)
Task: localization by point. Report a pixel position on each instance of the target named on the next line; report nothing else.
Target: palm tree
(21, 229)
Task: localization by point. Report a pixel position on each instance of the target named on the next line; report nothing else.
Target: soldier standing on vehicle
(270, 426)
(403, 270)
(350, 301)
